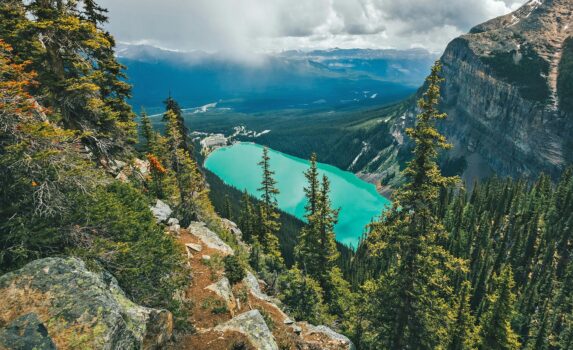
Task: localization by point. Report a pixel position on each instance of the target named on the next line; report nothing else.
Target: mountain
(292, 79)
(508, 93)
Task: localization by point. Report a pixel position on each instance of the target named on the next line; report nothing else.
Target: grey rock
(335, 338)
(253, 326)
(161, 211)
(233, 228)
(223, 289)
(173, 221)
(194, 247)
(209, 238)
(332, 335)
(77, 305)
(26, 332)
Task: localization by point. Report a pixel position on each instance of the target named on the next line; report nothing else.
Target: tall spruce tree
(149, 135)
(268, 224)
(171, 105)
(411, 303)
(496, 331)
(194, 202)
(316, 251)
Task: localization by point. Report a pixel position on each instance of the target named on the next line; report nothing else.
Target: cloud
(242, 28)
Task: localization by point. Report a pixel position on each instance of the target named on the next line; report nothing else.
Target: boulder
(223, 289)
(26, 332)
(193, 247)
(142, 166)
(251, 282)
(161, 211)
(59, 302)
(326, 337)
(209, 238)
(233, 228)
(253, 326)
(173, 221)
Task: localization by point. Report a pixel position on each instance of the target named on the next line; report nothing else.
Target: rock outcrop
(161, 211)
(253, 326)
(209, 238)
(58, 303)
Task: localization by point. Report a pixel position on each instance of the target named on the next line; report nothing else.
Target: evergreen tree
(149, 135)
(268, 189)
(464, 333)
(268, 223)
(312, 189)
(228, 210)
(248, 220)
(193, 193)
(80, 78)
(496, 331)
(303, 296)
(316, 251)
(413, 296)
(173, 106)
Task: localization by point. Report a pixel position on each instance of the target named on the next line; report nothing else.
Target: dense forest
(442, 269)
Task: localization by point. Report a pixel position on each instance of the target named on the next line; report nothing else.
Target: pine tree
(268, 224)
(416, 307)
(496, 331)
(268, 189)
(313, 187)
(316, 251)
(464, 333)
(303, 296)
(193, 193)
(173, 106)
(149, 135)
(228, 210)
(248, 220)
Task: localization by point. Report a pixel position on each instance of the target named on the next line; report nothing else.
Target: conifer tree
(268, 223)
(173, 106)
(193, 194)
(228, 210)
(313, 187)
(416, 307)
(464, 333)
(248, 220)
(268, 189)
(80, 78)
(149, 135)
(316, 250)
(496, 331)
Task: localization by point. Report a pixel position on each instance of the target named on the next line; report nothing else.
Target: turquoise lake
(359, 202)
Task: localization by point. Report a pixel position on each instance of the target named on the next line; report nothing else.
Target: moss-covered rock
(59, 301)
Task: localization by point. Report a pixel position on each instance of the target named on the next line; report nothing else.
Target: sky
(243, 28)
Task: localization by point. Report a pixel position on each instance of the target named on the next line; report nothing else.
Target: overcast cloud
(243, 27)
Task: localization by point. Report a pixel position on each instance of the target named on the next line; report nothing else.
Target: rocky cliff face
(508, 94)
(502, 93)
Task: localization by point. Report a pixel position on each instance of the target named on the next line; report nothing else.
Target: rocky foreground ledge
(57, 303)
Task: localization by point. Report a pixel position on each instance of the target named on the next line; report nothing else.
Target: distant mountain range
(508, 93)
(288, 80)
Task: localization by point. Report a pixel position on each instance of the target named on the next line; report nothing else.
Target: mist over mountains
(291, 79)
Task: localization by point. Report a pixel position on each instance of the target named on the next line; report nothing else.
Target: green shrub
(234, 269)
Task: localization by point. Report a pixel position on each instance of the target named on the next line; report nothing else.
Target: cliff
(508, 93)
